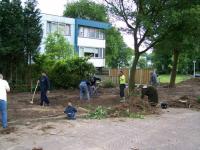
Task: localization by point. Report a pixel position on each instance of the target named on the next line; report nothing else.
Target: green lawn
(165, 78)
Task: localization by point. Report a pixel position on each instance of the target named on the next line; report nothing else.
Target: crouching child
(70, 112)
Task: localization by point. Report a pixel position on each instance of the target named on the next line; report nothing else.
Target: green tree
(32, 29)
(184, 33)
(11, 36)
(86, 9)
(162, 60)
(57, 47)
(150, 22)
(117, 53)
(141, 18)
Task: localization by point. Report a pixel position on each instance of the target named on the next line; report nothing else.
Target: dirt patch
(184, 95)
(47, 127)
(8, 130)
(19, 108)
(135, 105)
(39, 148)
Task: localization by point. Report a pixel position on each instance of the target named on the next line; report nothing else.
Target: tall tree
(11, 34)
(141, 18)
(149, 21)
(32, 29)
(184, 33)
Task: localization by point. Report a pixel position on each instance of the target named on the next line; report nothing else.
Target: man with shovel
(44, 89)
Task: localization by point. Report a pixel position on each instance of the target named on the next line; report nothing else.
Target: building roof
(92, 23)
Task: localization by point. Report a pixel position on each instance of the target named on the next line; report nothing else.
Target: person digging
(151, 93)
(44, 89)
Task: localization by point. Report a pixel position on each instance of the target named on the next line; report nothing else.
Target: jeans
(3, 111)
(44, 98)
(122, 87)
(84, 91)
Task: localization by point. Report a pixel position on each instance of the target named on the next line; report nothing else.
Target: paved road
(175, 129)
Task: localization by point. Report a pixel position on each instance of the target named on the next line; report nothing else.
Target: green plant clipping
(136, 115)
(198, 99)
(99, 113)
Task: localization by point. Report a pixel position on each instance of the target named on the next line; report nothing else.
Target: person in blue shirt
(70, 112)
(84, 89)
(44, 89)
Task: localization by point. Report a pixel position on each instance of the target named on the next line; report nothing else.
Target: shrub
(99, 113)
(70, 72)
(108, 84)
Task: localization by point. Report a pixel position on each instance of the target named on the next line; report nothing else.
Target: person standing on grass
(153, 79)
(4, 88)
(44, 89)
(122, 82)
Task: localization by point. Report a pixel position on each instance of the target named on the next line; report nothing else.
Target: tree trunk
(30, 72)
(174, 68)
(133, 72)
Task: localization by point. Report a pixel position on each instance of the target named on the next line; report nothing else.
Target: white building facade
(87, 36)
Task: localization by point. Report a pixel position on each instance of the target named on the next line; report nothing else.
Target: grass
(165, 78)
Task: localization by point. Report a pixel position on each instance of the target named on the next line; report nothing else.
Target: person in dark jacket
(70, 111)
(93, 85)
(152, 94)
(44, 89)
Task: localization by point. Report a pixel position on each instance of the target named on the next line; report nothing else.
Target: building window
(93, 33)
(91, 52)
(61, 28)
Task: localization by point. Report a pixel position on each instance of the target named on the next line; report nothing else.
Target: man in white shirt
(4, 88)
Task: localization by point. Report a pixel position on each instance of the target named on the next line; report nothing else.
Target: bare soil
(184, 95)
(19, 108)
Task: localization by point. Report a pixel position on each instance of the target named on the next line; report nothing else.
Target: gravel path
(175, 129)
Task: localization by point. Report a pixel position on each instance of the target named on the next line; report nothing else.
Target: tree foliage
(11, 35)
(117, 53)
(86, 9)
(68, 73)
(183, 36)
(57, 47)
(17, 38)
(141, 18)
(151, 22)
(32, 29)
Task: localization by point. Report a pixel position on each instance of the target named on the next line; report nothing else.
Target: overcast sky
(56, 7)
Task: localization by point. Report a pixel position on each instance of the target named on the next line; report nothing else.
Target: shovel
(34, 92)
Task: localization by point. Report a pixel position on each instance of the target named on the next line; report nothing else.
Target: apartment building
(87, 36)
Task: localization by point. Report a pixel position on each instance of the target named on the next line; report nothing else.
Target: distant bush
(108, 84)
(70, 72)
